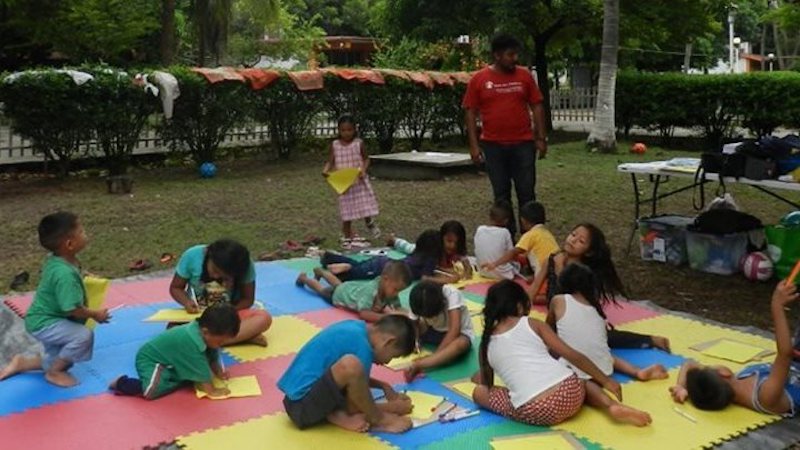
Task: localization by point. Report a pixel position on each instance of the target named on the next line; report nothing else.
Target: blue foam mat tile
(272, 273)
(417, 437)
(644, 358)
(30, 390)
(286, 298)
(127, 325)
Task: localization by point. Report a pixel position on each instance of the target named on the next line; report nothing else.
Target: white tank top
(582, 328)
(522, 361)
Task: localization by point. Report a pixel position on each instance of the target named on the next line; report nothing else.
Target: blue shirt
(791, 390)
(190, 267)
(323, 351)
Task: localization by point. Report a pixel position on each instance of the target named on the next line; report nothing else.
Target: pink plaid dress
(359, 201)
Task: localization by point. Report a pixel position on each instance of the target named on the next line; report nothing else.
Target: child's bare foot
(412, 372)
(392, 423)
(20, 364)
(352, 422)
(654, 372)
(662, 343)
(629, 415)
(259, 340)
(400, 406)
(62, 379)
(317, 273)
(301, 280)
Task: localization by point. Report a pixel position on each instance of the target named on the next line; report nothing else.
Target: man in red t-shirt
(504, 95)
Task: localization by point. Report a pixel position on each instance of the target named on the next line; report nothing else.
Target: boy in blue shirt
(58, 313)
(766, 388)
(329, 378)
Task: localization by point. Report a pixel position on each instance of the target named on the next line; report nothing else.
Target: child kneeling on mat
(181, 355)
(329, 378)
(58, 313)
(370, 299)
(766, 388)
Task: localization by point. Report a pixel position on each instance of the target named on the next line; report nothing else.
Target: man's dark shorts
(324, 398)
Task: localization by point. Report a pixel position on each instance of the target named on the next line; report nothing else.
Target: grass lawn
(263, 203)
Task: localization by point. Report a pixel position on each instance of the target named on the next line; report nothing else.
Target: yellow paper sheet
(424, 404)
(172, 315)
(465, 388)
(476, 279)
(96, 289)
(733, 351)
(404, 362)
(246, 386)
(473, 307)
(542, 441)
(341, 180)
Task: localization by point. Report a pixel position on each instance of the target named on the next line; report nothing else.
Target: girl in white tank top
(539, 390)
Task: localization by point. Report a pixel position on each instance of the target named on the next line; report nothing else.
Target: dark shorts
(359, 270)
(432, 337)
(324, 398)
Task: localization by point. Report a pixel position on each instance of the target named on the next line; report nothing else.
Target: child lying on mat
(422, 260)
(453, 264)
(493, 242)
(181, 355)
(444, 321)
(329, 378)
(537, 244)
(58, 313)
(370, 299)
(221, 272)
(540, 390)
(769, 389)
(578, 318)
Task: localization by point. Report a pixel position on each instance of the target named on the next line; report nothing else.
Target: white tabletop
(663, 168)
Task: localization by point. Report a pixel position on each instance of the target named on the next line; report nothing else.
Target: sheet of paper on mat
(424, 404)
(473, 307)
(96, 289)
(172, 315)
(556, 440)
(405, 362)
(733, 351)
(476, 279)
(246, 386)
(341, 180)
(465, 387)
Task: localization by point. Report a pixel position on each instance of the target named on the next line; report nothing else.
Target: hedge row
(58, 115)
(716, 105)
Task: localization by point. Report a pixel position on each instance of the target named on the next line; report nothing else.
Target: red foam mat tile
(324, 317)
(624, 312)
(19, 303)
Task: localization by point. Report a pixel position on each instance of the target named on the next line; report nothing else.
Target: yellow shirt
(539, 243)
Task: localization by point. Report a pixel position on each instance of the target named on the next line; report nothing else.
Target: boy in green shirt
(58, 313)
(183, 354)
(369, 298)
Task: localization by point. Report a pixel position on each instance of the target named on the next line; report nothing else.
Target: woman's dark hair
(230, 257)
(579, 278)
(504, 299)
(455, 227)
(427, 299)
(503, 42)
(598, 259)
(428, 246)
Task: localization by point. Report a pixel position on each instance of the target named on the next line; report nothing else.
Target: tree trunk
(167, 32)
(603, 136)
(687, 58)
(540, 60)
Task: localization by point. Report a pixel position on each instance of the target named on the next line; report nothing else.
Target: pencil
(116, 307)
(193, 296)
(794, 273)
(684, 414)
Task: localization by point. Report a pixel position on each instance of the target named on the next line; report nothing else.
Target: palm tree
(603, 135)
(212, 18)
(168, 32)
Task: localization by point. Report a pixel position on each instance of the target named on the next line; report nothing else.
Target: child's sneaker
(376, 232)
(359, 242)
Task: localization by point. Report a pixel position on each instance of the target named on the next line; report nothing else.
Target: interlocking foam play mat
(89, 417)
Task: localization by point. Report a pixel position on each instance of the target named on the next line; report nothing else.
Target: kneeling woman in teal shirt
(221, 272)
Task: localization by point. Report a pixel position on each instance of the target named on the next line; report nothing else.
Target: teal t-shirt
(190, 267)
(358, 295)
(181, 348)
(60, 292)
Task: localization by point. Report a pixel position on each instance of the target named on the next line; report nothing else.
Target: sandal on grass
(140, 264)
(292, 246)
(19, 280)
(313, 240)
(167, 258)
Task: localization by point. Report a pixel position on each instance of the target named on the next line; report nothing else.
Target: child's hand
(614, 387)
(325, 173)
(191, 308)
(679, 393)
(390, 240)
(361, 173)
(219, 392)
(784, 293)
(489, 266)
(221, 374)
(101, 315)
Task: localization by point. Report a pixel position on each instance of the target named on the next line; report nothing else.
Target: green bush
(203, 114)
(50, 109)
(287, 112)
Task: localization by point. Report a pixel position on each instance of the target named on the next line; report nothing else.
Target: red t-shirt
(502, 100)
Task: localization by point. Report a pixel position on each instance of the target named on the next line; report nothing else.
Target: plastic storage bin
(716, 253)
(663, 238)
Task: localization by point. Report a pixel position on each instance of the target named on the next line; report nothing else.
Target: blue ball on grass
(208, 170)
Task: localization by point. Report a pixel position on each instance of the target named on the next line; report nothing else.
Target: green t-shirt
(190, 267)
(359, 295)
(181, 348)
(60, 292)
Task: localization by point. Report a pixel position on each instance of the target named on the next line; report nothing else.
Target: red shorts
(556, 407)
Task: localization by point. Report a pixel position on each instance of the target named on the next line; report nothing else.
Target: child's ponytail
(504, 299)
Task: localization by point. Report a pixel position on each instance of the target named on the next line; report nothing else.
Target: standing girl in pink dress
(359, 201)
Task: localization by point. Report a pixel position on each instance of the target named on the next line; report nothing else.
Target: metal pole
(730, 40)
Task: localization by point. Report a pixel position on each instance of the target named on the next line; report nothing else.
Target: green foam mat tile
(464, 367)
(480, 439)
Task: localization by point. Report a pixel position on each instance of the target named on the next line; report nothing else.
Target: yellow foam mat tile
(685, 333)
(286, 335)
(670, 429)
(277, 431)
(477, 320)
(473, 307)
